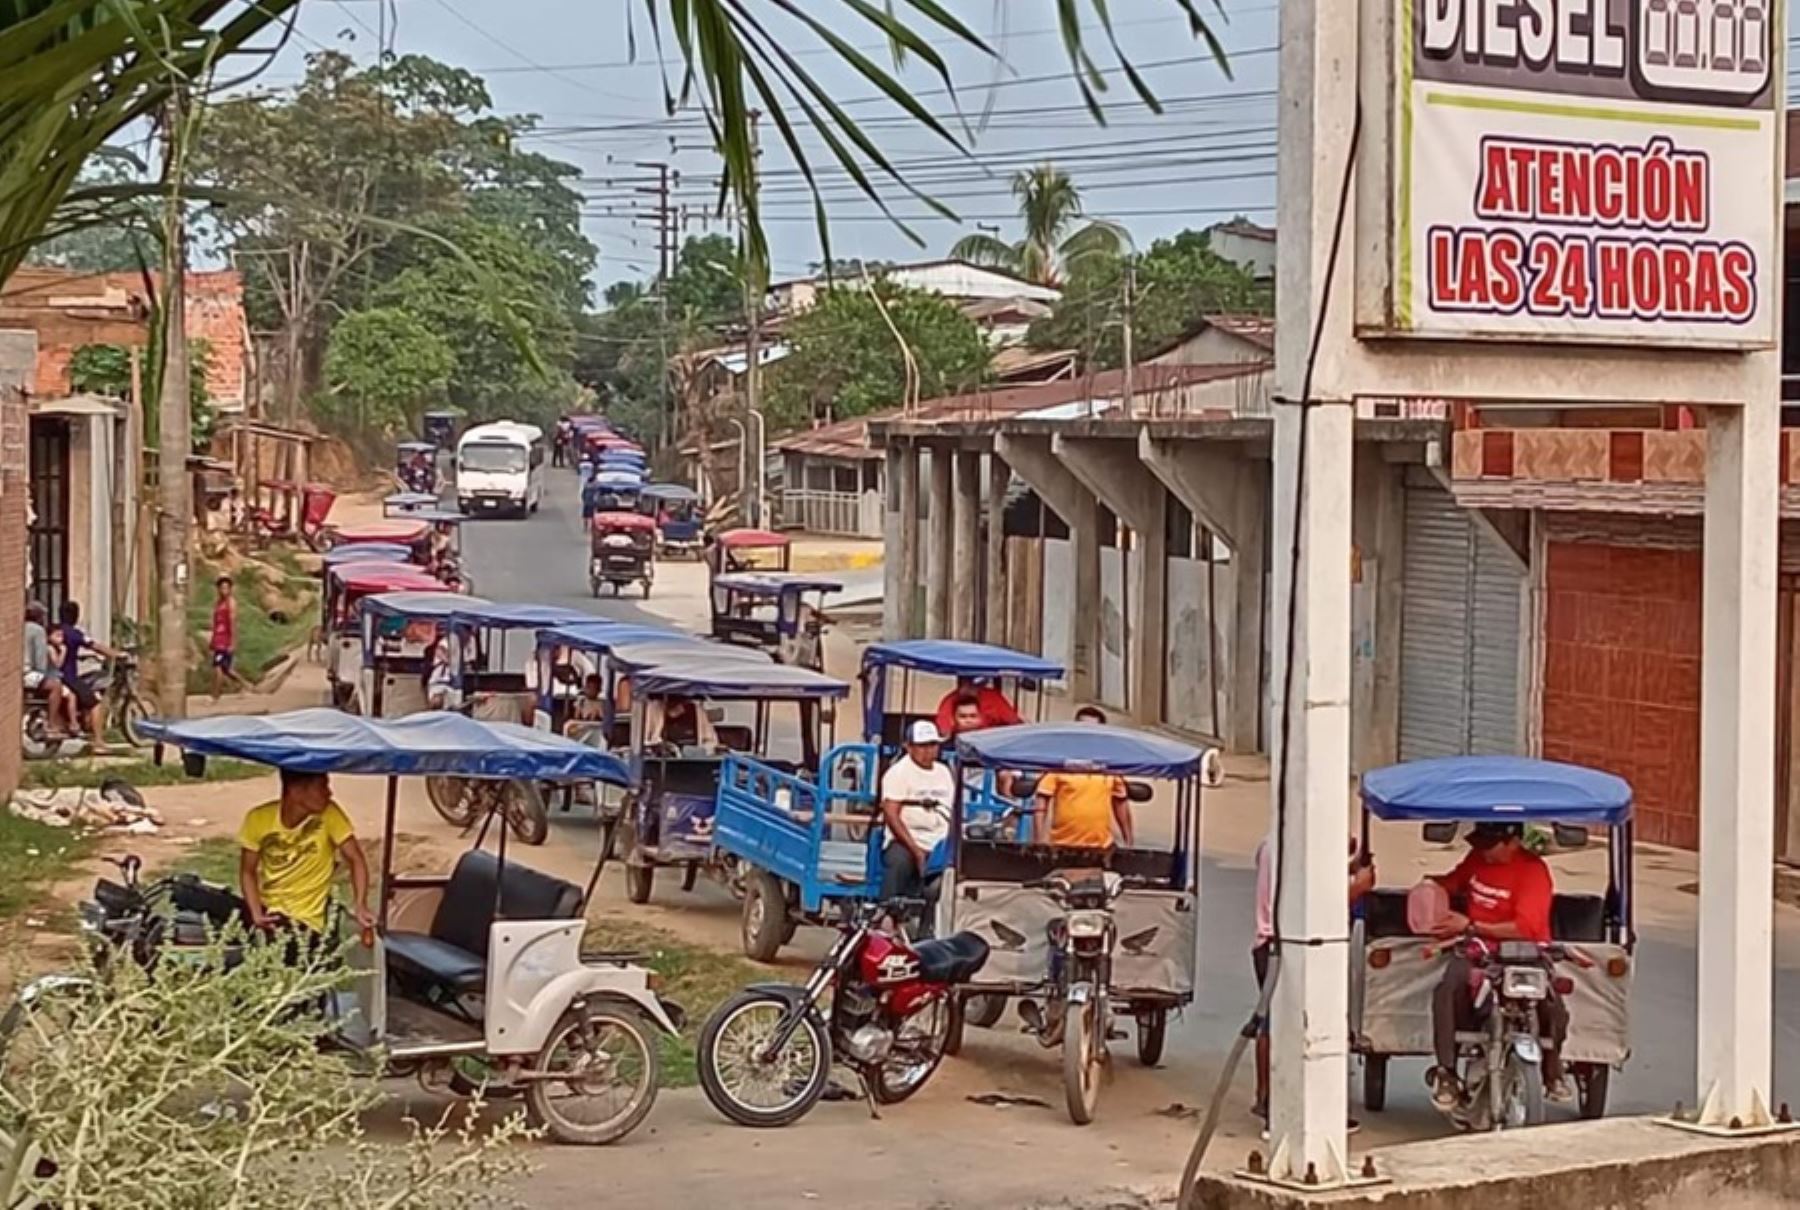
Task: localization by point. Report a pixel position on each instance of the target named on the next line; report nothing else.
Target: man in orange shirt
(1084, 808)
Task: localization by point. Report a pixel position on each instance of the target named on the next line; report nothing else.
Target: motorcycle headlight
(1525, 983)
(1085, 926)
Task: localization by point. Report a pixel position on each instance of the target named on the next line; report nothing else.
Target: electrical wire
(1188, 1196)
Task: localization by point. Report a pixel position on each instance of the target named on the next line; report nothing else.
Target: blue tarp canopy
(416, 447)
(620, 479)
(417, 604)
(771, 584)
(702, 674)
(408, 501)
(437, 742)
(367, 552)
(947, 657)
(674, 493)
(1503, 789)
(510, 615)
(1079, 747)
(651, 654)
(604, 634)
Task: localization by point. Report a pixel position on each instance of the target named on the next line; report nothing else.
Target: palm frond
(984, 249)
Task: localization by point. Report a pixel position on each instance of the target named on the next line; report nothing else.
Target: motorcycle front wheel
(526, 812)
(919, 1046)
(131, 715)
(749, 1086)
(455, 798)
(1084, 1059)
(1524, 1084)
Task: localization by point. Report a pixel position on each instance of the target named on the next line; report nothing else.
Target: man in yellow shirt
(1084, 807)
(288, 854)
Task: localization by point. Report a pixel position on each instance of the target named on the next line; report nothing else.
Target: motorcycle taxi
(346, 584)
(680, 526)
(399, 630)
(621, 551)
(782, 613)
(1588, 964)
(1079, 935)
(477, 977)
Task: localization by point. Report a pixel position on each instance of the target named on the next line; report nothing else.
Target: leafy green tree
(1053, 245)
(1179, 282)
(845, 360)
(384, 366)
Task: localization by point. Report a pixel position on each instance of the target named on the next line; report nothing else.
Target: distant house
(1214, 340)
(1246, 244)
(957, 280)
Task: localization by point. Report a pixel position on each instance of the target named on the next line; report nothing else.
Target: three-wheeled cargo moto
(621, 551)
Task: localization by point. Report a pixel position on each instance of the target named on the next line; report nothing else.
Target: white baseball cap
(923, 732)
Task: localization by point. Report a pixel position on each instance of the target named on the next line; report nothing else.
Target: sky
(1209, 156)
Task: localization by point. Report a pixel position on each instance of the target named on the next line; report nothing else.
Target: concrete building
(1248, 245)
(957, 280)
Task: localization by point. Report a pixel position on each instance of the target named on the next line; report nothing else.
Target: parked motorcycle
(1503, 1061)
(766, 1054)
(117, 685)
(1077, 1012)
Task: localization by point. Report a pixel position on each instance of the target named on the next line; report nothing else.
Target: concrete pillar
(1310, 677)
(1737, 759)
(1380, 535)
(1035, 463)
(900, 618)
(938, 573)
(1227, 488)
(999, 475)
(965, 602)
(1111, 471)
(18, 360)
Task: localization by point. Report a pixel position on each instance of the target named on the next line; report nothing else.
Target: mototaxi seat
(955, 959)
(454, 953)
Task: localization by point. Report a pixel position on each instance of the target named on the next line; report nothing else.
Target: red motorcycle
(766, 1054)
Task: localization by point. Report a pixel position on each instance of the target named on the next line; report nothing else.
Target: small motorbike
(766, 1054)
(117, 685)
(1503, 1065)
(1077, 1013)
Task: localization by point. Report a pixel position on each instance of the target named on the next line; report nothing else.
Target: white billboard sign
(1587, 170)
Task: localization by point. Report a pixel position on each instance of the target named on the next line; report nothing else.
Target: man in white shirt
(916, 797)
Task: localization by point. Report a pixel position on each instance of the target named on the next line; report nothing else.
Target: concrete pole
(965, 604)
(1310, 678)
(902, 595)
(999, 475)
(1250, 588)
(937, 581)
(1737, 757)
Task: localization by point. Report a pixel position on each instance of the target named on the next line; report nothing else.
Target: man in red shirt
(1504, 891)
(224, 639)
(996, 711)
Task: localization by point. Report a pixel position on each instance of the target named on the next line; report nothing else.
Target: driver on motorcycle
(87, 694)
(1506, 890)
(916, 793)
(288, 851)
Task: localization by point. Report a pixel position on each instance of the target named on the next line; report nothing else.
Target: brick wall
(17, 355)
(1622, 675)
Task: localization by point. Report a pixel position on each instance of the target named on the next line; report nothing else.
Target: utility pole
(753, 296)
(1130, 348)
(667, 234)
(174, 497)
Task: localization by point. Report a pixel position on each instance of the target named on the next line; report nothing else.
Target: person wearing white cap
(916, 796)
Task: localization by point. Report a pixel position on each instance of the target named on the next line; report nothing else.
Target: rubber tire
(885, 1094)
(640, 880)
(984, 1009)
(1375, 1074)
(594, 587)
(1081, 1089)
(763, 935)
(953, 1040)
(35, 742)
(1531, 1088)
(1591, 1084)
(609, 841)
(743, 1115)
(1152, 1031)
(690, 876)
(527, 814)
(448, 797)
(131, 714)
(537, 1092)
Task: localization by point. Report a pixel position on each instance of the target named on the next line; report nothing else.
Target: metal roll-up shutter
(1459, 687)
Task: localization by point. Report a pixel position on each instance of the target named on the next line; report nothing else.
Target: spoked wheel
(743, 1080)
(527, 814)
(1084, 1059)
(1524, 1083)
(596, 1077)
(457, 799)
(131, 717)
(919, 1045)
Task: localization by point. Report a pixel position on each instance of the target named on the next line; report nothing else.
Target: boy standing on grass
(224, 639)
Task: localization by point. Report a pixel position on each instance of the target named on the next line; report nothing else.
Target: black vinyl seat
(952, 960)
(454, 953)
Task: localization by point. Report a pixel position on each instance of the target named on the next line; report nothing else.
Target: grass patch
(214, 859)
(33, 856)
(262, 639)
(694, 977)
(63, 774)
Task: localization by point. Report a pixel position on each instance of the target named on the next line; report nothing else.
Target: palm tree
(1050, 205)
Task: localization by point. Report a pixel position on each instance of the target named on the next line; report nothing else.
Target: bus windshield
(493, 459)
